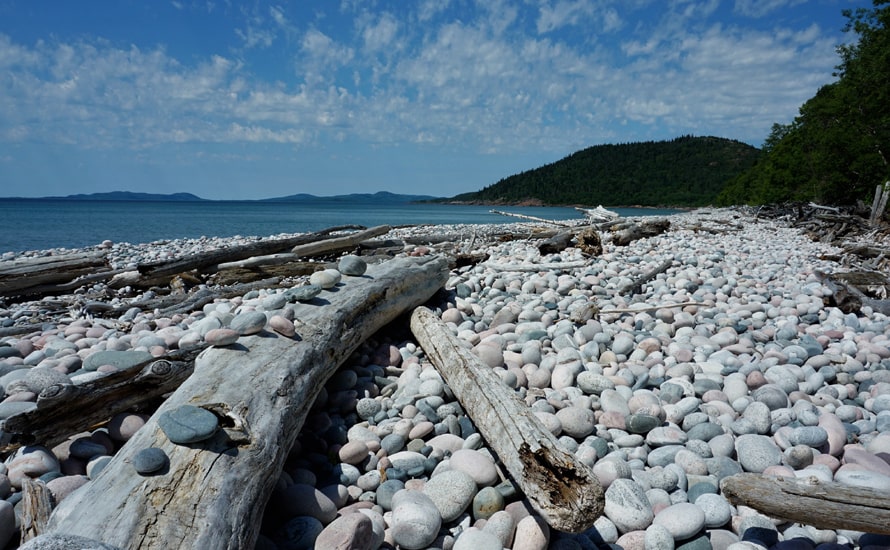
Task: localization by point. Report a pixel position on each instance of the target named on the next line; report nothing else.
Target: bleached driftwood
(213, 493)
(36, 508)
(23, 275)
(563, 490)
(95, 402)
(531, 218)
(813, 502)
(639, 231)
(339, 244)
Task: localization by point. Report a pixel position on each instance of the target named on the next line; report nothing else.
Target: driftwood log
(636, 286)
(213, 493)
(23, 276)
(807, 500)
(625, 236)
(564, 491)
(95, 402)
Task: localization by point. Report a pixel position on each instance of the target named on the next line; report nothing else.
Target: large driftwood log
(809, 501)
(646, 229)
(17, 276)
(95, 402)
(214, 492)
(339, 244)
(531, 218)
(159, 270)
(564, 491)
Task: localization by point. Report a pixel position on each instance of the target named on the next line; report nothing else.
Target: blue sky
(248, 100)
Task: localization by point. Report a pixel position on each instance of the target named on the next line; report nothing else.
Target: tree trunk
(812, 502)
(564, 491)
(213, 493)
(17, 276)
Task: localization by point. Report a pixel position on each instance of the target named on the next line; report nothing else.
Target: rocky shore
(728, 361)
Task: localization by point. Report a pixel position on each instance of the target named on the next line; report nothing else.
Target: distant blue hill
(130, 196)
(381, 196)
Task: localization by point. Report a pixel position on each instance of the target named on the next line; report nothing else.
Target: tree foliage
(836, 149)
(686, 171)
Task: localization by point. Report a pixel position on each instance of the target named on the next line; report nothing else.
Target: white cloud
(760, 8)
(381, 34)
(562, 13)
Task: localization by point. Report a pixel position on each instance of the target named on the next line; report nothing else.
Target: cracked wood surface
(564, 491)
(213, 493)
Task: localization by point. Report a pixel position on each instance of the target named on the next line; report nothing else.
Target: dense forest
(836, 150)
(687, 171)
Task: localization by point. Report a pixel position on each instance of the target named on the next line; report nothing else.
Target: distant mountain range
(381, 196)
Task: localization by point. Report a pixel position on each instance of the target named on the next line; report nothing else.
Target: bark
(213, 493)
(812, 502)
(564, 491)
(95, 402)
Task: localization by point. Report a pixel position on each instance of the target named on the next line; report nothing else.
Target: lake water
(43, 224)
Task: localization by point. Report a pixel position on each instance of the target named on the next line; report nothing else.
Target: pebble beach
(729, 361)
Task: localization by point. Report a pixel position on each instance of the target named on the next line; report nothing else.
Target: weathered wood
(160, 270)
(214, 492)
(556, 243)
(18, 275)
(646, 229)
(563, 490)
(36, 508)
(812, 502)
(636, 286)
(531, 218)
(94, 402)
(339, 244)
(882, 192)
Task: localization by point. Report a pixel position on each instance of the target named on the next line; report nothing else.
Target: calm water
(43, 224)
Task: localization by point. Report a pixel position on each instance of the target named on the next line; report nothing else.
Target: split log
(64, 409)
(213, 493)
(18, 275)
(636, 286)
(812, 502)
(531, 218)
(640, 231)
(339, 244)
(36, 508)
(159, 270)
(563, 490)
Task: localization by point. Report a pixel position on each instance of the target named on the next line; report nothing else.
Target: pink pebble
(221, 337)
(282, 325)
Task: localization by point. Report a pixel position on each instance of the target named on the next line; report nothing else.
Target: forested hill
(686, 171)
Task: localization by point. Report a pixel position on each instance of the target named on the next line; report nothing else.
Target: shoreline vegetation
(664, 355)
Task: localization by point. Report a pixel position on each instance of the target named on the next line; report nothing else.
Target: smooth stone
(299, 533)
(705, 431)
(326, 278)
(12, 408)
(221, 337)
(639, 423)
(8, 524)
(122, 360)
(282, 325)
(658, 538)
(576, 422)
(149, 461)
(811, 436)
(301, 499)
(502, 525)
(592, 383)
(757, 452)
(32, 461)
(352, 265)
(478, 466)
(303, 293)
(386, 491)
(623, 344)
(627, 505)
(84, 447)
(452, 492)
(487, 502)
(532, 533)
(353, 452)
(250, 322)
(716, 508)
(188, 424)
(415, 520)
(39, 378)
(349, 532)
(61, 487)
(863, 478)
(477, 539)
(123, 426)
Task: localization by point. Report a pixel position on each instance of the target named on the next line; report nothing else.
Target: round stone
(150, 460)
(415, 520)
(326, 278)
(353, 452)
(716, 508)
(121, 360)
(478, 466)
(301, 499)
(386, 491)
(477, 539)
(303, 293)
(592, 383)
(348, 531)
(250, 322)
(299, 533)
(352, 265)
(682, 520)
(487, 502)
(811, 436)
(452, 492)
(627, 505)
(641, 423)
(220, 337)
(188, 424)
(658, 537)
(576, 422)
(757, 452)
(123, 426)
(282, 325)
(52, 541)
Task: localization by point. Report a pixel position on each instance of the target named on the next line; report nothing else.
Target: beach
(729, 358)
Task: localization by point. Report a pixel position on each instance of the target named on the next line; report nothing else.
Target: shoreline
(661, 400)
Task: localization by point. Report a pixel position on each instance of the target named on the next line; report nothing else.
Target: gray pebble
(150, 460)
